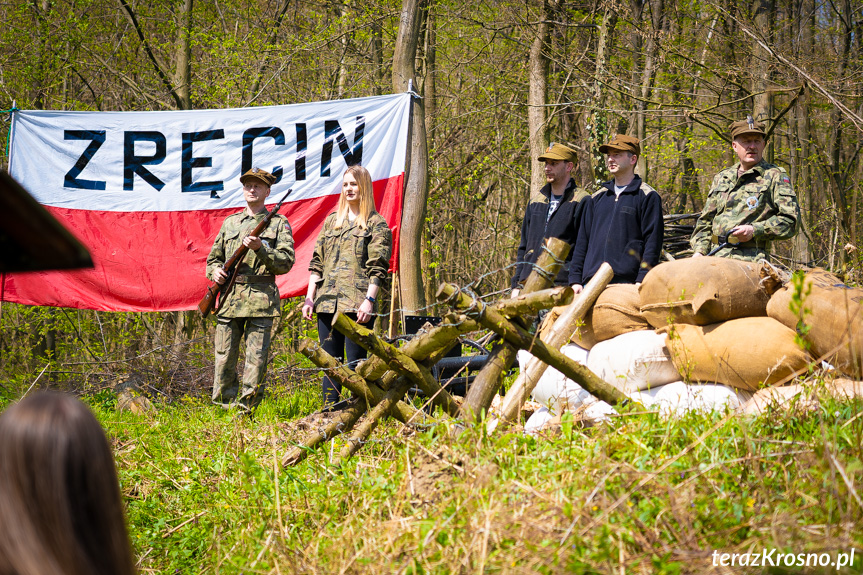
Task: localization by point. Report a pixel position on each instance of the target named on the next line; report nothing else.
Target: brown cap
(556, 151)
(622, 143)
(747, 126)
(259, 174)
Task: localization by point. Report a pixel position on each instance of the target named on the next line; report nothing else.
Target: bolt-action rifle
(216, 293)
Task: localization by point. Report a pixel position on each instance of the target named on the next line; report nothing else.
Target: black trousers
(337, 345)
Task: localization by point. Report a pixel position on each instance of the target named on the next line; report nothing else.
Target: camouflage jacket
(253, 296)
(348, 260)
(762, 197)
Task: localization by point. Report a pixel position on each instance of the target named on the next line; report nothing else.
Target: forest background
(498, 82)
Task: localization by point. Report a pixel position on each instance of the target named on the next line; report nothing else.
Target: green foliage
(205, 492)
(800, 290)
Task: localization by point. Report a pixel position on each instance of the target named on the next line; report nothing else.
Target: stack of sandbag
(832, 315)
(714, 311)
(557, 394)
(678, 398)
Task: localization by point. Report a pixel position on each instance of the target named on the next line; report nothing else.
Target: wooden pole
(556, 337)
(343, 421)
(399, 362)
(394, 319)
(518, 337)
(420, 348)
(488, 380)
(533, 302)
(370, 393)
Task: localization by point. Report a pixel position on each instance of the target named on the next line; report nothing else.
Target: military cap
(259, 174)
(622, 143)
(556, 151)
(747, 126)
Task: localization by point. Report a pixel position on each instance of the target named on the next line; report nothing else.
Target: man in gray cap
(749, 205)
(553, 212)
(248, 308)
(622, 222)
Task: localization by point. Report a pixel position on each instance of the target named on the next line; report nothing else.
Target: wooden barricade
(381, 382)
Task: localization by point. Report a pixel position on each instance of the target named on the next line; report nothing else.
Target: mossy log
(556, 336)
(488, 380)
(343, 421)
(531, 303)
(370, 393)
(518, 337)
(399, 362)
(381, 410)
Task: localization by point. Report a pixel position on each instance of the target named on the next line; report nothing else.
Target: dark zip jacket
(563, 224)
(624, 231)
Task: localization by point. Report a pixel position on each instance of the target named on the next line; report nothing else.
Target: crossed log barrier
(380, 383)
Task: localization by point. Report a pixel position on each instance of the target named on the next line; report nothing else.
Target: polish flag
(146, 192)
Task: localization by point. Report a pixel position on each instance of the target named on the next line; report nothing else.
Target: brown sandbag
(583, 337)
(746, 353)
(834, 319)
(617, 311)
(706, 290)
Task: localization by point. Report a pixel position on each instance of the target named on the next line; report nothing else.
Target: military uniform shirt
(275, 257)
(348, 260)
(761, 197)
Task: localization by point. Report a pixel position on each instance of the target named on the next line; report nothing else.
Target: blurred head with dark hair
(60, 505)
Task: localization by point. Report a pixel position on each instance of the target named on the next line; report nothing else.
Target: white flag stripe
(192, 160)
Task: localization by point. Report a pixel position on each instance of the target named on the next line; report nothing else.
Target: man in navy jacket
(554, 212)
(621, 223)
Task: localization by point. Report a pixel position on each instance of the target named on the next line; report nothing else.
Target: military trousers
(226, 387)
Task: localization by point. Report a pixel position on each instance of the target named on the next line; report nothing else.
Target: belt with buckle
(734, 242)
(264, 279)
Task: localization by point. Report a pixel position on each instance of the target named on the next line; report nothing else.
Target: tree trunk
(648, 75)
(377, 57)
(537, 99)
(183, 76)
(344, 41)
(429, 90)
(598, 122)
(802, 179)
(763, 101)
(416, 180)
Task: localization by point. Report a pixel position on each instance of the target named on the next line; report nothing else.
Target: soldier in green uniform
(751, 204)
(349, 265)
(251, 304)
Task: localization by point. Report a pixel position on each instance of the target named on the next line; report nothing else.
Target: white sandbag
(597, 411)
(537, 421)
(553, 388)
(677, 398)
(633, 361)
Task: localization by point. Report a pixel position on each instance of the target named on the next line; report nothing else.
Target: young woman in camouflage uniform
(348, 268)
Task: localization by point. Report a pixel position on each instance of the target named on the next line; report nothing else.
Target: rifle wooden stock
(216, 292)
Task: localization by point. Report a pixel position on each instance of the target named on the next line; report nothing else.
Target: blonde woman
(348, 268)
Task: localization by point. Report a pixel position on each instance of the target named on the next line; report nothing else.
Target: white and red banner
(146, 192)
